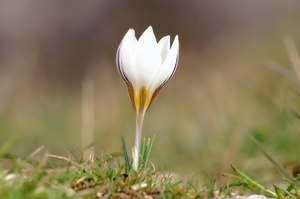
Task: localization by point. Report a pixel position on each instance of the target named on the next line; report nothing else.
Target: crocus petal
(168, 67)
(126, 58)
(164, 46)
(148, 58)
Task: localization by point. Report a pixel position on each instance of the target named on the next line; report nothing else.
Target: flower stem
(137, 146)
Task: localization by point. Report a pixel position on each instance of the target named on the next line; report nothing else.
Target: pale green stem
(137, 146)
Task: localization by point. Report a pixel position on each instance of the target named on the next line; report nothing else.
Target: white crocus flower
(146, 66)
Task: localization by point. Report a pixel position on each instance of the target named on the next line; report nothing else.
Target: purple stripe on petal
(119, 60)
(175, 67)
(120, 68)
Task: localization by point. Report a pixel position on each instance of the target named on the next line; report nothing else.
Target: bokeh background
(59, 86)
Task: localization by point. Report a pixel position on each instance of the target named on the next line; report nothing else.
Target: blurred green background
(59, 86)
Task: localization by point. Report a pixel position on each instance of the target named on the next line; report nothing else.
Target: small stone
(257, 197)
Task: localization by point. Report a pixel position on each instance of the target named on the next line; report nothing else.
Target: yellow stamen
(141, 98)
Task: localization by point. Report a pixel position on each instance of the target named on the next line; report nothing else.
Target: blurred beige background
(59, 83)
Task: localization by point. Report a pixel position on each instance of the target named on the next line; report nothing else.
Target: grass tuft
(109, 176)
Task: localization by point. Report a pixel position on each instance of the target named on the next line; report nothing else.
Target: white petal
(168, 67)
(126, 58)
(148, 58)
(164, 45)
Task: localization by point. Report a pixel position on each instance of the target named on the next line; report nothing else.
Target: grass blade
(125, 155)
(251, 184)
(278, 166)
(149, 150)
(293, 54)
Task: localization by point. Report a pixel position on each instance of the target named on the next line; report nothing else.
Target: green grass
(242, 180)
(109, 176)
